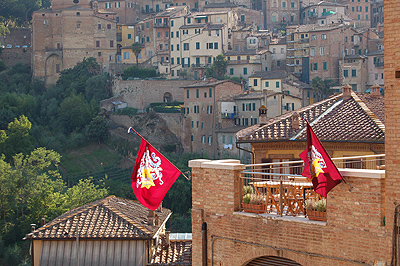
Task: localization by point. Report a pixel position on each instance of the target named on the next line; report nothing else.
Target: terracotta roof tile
(360, 118)
(178, 252)
(111, 217)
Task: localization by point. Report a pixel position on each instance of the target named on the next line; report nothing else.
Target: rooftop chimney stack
(346, 91)
(375, 90)
(262, 112)
(295, 121)
(151, 217)
(43, 221)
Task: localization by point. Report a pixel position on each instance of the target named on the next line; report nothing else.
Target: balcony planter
(316, 210)
(254, 203)
(316, 216)
(253, 208)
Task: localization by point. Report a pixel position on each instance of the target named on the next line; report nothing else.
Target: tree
(322, 87)
(98, 129)
(136, 49)
(96, 88)
(16, 138)
(218, 69)
(75, 113)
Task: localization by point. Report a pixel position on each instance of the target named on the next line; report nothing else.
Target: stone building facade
(64, 35)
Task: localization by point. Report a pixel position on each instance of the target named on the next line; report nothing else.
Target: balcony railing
(279, 188)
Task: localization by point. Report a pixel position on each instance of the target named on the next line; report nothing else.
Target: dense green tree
(136, 49)
(74, 79)
(97, 88)
(16, 138)
(2, 63)
(218, 69)
(75, 113)
(322, 87)
(98, 129)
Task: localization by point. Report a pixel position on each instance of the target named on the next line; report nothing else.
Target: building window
(158, 34)
(245, 70)
(209, 140)
(110, 58)
(147, 39)
(323, 37)
(99, 26)
(267, 84)
(312, 51)
(354, 72)
(322, 50)
(345, 73)
(215, 45)
(178, 62)
(324, 66)
(117, 4)
(191, 137)
(177, 34)
(278, 63)
(186, 46)
(111, 44)
(277, 84)
(129, 36)
(197, 45)
(126, 55)
(108, 5)
(231, 71)
(177, 47)
(97, 43)
(78, 25)
(210, 92)
(57, 68)
(255, 82)
(99, 53)
(197, 93)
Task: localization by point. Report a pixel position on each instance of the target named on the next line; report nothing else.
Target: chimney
(346, 91)
(262, 112)
(295, 121)
(43, 221)
(33, 227)
(151, 218)
(375, 91)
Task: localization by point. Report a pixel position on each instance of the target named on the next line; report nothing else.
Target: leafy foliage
(136, 72)
(136, 49)
(218, 69)
(322, 87)
(98, 129)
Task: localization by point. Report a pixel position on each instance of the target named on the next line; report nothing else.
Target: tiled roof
(214, 26)
(207, 83)
(191, 26)
(278, 74)
(220, 5)
(247, 52)
(358, 119)
(111, 217)
(176, 253)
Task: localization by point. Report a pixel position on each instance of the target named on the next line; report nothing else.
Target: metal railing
(279, 188)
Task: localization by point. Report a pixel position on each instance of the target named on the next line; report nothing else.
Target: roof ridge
(126, 218)
(371, 114)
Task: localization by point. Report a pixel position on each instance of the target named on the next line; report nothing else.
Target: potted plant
(316, 210)
(252, 202)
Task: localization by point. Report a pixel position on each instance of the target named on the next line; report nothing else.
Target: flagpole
(137, 133)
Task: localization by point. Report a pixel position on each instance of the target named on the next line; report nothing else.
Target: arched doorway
(167, 97)
(272, 261)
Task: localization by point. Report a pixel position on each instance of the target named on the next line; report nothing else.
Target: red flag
(318, 165)
(152, 177)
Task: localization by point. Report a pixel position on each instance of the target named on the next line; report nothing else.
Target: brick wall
(392, 107)
(353, 235)
(140, 93)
